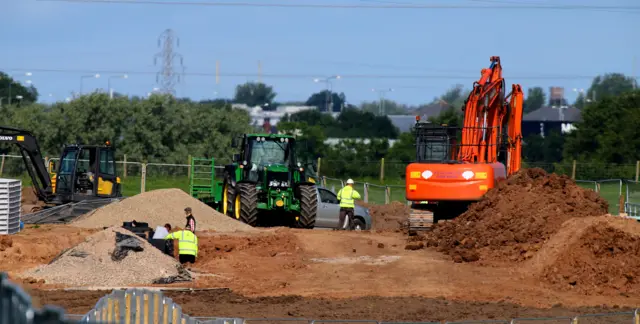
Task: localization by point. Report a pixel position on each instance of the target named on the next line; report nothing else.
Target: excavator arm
(514, 130)
(483, 114)
(30, 151)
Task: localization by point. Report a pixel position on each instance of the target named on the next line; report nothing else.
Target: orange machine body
(451, 182)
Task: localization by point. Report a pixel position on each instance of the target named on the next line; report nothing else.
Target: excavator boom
(485, 150)
(33, 159)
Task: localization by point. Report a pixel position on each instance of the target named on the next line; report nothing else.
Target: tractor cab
(269, 160)
(86, 172)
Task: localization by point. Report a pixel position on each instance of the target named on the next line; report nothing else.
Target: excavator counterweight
(456, 166)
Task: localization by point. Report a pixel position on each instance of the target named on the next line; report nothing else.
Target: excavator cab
(86, 172)
(435, 143)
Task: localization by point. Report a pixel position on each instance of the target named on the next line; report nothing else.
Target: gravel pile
(159, 207)
(91, 264)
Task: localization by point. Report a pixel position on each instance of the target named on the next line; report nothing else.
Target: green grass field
(131, 185)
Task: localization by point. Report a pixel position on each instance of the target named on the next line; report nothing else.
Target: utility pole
(217, 72)
(381, 93)
(259, 71)
(168, 77)
(329, 90)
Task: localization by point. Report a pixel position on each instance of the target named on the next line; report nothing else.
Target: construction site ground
(535, 246)
(325, 274)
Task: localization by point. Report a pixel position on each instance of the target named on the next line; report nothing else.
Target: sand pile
(91, 263)
(159, 207)
(514, 219)
(600, 255)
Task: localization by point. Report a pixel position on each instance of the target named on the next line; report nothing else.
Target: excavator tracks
(420, 220)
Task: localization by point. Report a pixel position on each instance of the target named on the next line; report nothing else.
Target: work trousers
(184, 258)
(343, 214)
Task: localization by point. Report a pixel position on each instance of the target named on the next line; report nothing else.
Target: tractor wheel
(308, 206)
(228, 198)
(246, 204)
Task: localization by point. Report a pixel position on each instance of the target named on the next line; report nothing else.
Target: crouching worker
(187, 245)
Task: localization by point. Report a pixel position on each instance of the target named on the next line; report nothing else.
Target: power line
(302, 76)
(500, 2)
(352, 6)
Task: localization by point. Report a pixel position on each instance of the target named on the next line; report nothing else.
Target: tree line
(167, 129)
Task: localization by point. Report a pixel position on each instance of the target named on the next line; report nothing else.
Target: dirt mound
(515, 218)
(29, 196)
(29, 200)
(389, 217)
(602, 257)
(98, 262)
(37, 245)
(159, 207)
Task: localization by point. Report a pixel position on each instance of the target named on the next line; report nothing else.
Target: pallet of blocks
(10, 195)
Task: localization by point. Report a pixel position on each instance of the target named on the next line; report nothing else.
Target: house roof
(548, 113)
(402, 122)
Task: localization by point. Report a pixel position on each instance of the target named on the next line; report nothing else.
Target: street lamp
(329, 96)
(381, 93)
(124, 76)
(97, 76)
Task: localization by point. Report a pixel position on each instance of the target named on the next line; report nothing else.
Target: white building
(258, 114)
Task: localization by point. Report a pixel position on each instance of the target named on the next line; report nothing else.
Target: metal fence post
(387, 195)
(143, 178)
(124, 166)
(366, 192)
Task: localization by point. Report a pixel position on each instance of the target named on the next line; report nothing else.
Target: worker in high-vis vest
(187, 245)
(347, 197)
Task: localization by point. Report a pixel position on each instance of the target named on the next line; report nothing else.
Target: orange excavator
(456, 166)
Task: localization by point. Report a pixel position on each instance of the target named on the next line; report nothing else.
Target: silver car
(329, 212)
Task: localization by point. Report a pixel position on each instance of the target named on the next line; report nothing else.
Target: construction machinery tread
(420, 220)
(248, 203)
(308, 206)
(231, 197)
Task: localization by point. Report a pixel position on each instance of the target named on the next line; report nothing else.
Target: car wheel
(358, 225)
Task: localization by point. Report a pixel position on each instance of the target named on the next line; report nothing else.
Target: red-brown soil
(388, 217)
(600, 255)
(37, 244)
(29, 201)
(228, 304)
(514, 219)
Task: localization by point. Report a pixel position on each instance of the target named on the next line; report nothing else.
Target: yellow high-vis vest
(347, 197)
(187, 242)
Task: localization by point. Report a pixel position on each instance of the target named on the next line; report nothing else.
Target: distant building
(404, 123)
(546, 119)
(558, 116)
(258, 114)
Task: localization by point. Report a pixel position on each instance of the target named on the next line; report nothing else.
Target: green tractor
(265, 184)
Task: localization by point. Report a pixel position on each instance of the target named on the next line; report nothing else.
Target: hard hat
(350, 181)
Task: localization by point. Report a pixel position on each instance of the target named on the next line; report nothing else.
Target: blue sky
(456, 43)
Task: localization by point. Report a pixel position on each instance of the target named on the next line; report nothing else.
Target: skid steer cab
(266, 185)
(85, 172)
